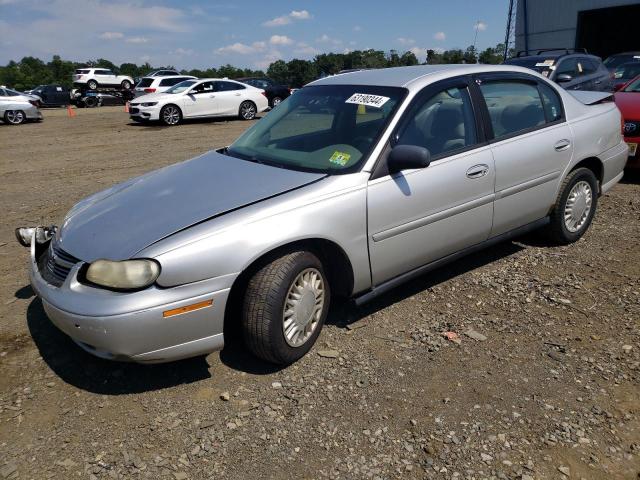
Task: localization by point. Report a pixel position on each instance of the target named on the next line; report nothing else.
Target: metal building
(603, 27)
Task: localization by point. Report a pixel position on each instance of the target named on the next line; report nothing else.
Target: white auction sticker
(367, 100)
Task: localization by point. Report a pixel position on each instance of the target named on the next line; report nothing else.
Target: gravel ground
(541, 382)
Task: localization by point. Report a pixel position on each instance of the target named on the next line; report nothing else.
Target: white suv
(101, 77)
(159, 84)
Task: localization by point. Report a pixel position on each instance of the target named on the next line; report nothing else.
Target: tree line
(30, 71)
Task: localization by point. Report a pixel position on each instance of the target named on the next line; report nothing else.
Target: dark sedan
(275, 92)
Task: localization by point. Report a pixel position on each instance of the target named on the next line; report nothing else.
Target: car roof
(164, 77)
(405, 76)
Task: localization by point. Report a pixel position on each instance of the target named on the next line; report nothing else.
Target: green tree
(470, 55)
(408, 59)
(279, 71)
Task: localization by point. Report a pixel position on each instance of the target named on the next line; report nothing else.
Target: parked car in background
(357, 183)
(614, 61)
(628, 101)
(93, 78)
(163, 73)
(15, 112)
(275, 92)
(210, 97)
(159, 84)
(625, 73)
(52, 95)
(91, 99)
(573, 71)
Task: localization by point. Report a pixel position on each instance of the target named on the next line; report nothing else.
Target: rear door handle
(478, 171)
(562, 145)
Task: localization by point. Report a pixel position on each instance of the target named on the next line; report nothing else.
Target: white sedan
(210, 97)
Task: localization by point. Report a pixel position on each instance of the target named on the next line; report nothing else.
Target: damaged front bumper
(131, 326)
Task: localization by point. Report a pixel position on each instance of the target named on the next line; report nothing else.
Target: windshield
(329, 129)
(181, 87)
(613, 62)
(627, 71)
(540, 64)
(634, 86)
(12, 93)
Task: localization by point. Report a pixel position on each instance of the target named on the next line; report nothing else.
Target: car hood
(118, 222)
(628, 103)
(154, 97)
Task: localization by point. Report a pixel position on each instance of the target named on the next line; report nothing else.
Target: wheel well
(594, 164)
(336, 262)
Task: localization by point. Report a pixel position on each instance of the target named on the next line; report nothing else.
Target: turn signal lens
(126, 275)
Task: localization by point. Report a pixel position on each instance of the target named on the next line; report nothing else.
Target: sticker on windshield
(340, 158)
(546, 63)
(368, 100)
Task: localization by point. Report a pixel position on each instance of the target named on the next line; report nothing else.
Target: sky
(247, 33)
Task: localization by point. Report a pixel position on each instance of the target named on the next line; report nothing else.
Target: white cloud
(305, 49)
(111, 35)
(481, 26)
(300, 15)
(357, 28)
(280, 40)
(241, 48)
(440, 36)
(137, 40)
(405, 41)
(421, 53)
(181, 52)
(268, 59)
(287, 19)
(327, 39)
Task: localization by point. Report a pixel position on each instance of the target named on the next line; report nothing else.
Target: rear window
(82, 71)
(145, 82)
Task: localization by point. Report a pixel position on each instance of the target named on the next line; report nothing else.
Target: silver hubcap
(171, 115)
(276, 102)
(578, 206)
(303, 307)
(248, 111)
(15, 116)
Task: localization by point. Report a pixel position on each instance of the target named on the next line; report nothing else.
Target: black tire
(247, 110)
(15, 117)
(264, 303)
(126, 84)
(170, 120)
(90, 102)
(92, 84)
(558, 231)
(275, 101)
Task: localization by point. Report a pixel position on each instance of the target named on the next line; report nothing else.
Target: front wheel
(126, 84)
(575, 207)
(170, 115)
(14, 117)
(248, 110)
(92, 84)
(285, 306)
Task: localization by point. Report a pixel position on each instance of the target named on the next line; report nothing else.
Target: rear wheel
(92, 84)
(285, 306)
(575, 207)
(170, 115)
(90, 102)
(248, 110)
(275, 102)
(15, 117)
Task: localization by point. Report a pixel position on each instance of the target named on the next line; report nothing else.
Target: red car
(628, 101)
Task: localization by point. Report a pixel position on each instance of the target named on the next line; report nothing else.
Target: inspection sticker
(367, 99)
(546, 63)
(340, 158)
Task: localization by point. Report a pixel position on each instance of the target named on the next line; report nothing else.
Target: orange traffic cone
(126, 107)
(70, 111)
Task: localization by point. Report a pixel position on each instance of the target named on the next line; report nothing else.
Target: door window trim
(463, 82)
(512, 77)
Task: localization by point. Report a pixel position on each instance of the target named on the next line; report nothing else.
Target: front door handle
(478, 171)
(562, 145)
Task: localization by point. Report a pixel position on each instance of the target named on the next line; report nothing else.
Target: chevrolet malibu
(353, 185)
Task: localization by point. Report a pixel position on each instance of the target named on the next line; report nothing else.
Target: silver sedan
(353, 185)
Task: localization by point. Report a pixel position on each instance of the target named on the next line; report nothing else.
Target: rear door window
(569, 66)
(228, 86)
(551, 102)
(514, 106)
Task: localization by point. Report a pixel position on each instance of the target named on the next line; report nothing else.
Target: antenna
(510, 35)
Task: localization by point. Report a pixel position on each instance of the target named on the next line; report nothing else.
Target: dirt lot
(552, 392)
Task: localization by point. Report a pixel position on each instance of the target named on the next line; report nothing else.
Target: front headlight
(149, 104)
(125, 275)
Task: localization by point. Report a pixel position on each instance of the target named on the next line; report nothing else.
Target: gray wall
(552, 23)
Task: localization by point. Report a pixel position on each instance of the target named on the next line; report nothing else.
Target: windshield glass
(329, 129)
(540, 64)
(181, 87)
(633, 86)
(613, 62)
(627, 71)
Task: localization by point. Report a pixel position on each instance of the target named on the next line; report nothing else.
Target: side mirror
(407, 157)
(564, 77)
